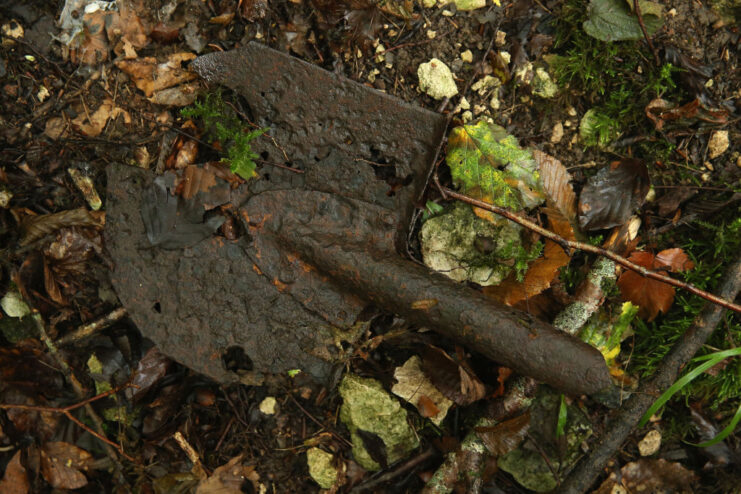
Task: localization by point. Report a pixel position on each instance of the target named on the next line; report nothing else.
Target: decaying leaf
(230, 478)
(648, 475)
(62, 465)
(93, 124)
(613, 20)
(454, 379)
(151, 76)
(413, 386)
(610, 197)
(538, 278)
(650, 295)
(661, 112)
(150, 369)
(36, 227)
(15, 478)
(505, 436)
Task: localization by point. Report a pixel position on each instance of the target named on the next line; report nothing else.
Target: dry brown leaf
(97, 121)
(538, 277)
(228, 478)
(94, 47)
(55, 128)
(555, 180)
(151, 76)
(125, 29)
(62, 465)
(505, 436)
(182, 95)
(15, 479)
(36, 227)
(652, 296)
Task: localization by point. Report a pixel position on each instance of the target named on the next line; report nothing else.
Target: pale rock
(436, 79)
(557, 134)
(466, 5)
(501, 38)
(718, 143)
(268, 406)
(467, 56)
(650, 444)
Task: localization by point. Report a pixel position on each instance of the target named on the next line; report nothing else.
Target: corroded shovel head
(318, 246)
(206, 304)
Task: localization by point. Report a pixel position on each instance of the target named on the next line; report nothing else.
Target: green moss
(712, 247)
(223, 125)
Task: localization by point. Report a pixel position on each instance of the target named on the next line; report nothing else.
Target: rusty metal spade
(318, 246)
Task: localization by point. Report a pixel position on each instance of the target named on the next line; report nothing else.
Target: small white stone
(495, 103)
(42, 94)
(568, 123)
(447, 13)
(557, 134)
(708, 165)
(393, 32)
(14, 305)
(709, 83)
(650, 444)
(501, 38)
(436, 79)
(571, 111)
(672, 13)
(718, 143)
(268, 406)
(505, 56)
(463, 104)
(467, 116)
(467, 56)
(431, 34)
(478, 109)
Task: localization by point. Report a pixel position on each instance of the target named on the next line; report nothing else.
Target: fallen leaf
(151, 368)
(505, 436)
(62, 465)
(649, 475)
(36, 227)
(555, 180)
(455, 381)
(650, 295)
(124, 28)
(92, 125)
(15, 479)
(661, 111)
(613, 20)
(416, 388)
(427, 407)
(609, 198)
(538, 277)
(230, 479)
(151, 76)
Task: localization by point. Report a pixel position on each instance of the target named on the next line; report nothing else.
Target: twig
(87, 329)
(314, 419)
(376, 481)
(66, 412)
(570, 245)
(198, 469)
(637, 9)
(622, 425)
(80, 392)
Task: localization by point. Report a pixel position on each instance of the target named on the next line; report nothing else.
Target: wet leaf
(610, 197)
(650, 295)
(455, 381)
(505, 436)
(648, 475)
(488, 163)
(36, 227)
(230, 479)
(413, 386)
(150, 75)
(15, 479)
(661, 111)
(613, 20)
(62, 465)
(92, 124)
(151, 368)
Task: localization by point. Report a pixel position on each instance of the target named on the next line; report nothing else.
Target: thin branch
(66, 411)
(623, 423)
(92, 327)
(571, 245)
(637, 9)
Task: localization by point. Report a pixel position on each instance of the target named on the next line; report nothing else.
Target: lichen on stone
(436, 79)
(368, 407)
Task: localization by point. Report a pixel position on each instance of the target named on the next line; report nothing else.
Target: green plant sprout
(563, 413)
(710, 361)
(224, 126)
